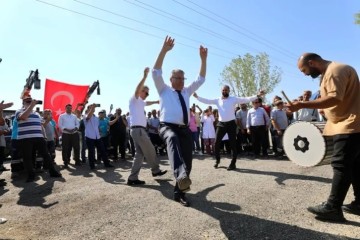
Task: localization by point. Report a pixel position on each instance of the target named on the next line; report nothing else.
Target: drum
(305, 145)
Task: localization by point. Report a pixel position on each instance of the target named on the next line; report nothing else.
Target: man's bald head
(309, 56)
(311, 64)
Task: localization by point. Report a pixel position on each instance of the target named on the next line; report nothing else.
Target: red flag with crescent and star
(58, 94)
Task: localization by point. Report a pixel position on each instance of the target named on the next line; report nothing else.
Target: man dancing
(143, 145)
(174, 118)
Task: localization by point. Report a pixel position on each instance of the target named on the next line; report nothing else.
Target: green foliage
(357, 18)
(248, 74)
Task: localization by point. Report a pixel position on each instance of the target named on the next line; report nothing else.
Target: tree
(357, 18)
(248, 74)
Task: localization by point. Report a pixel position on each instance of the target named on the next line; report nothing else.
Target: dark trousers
(258, 139)
(105, 141)
(51, 149)
(243, 140)
(221, 129)
(131, 145)
(179, 149)
(16, 161)
(83, 146)
(91, 144)
(196, 143)
(277, 141)
(28, 146)
(2, 155)
(157, 142)
(346, 168)
(118, 142)
(69, 142)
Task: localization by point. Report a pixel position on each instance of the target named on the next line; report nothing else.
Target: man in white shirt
(69, 126)
(257, 125)
(174, 118)
(226, 105)
(142, 142)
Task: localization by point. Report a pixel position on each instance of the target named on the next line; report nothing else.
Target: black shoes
(353, 208)
(108, 165)
(182, 200)
(54, 174)
(135, 182)
(31, 177)
(184, 183)
(216, 165)
(232, 166)
(326, 212)
(162, 172)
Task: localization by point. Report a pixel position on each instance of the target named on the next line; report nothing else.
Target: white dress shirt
(170, 106)
(226, 106)
(257, 117)
(136, 109)
(68, 121)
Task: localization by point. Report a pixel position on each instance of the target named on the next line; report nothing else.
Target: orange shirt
(342, 82)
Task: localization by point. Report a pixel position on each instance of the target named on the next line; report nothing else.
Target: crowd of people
(237, 126)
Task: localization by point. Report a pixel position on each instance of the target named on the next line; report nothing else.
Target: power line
(152, 26)
(256, 37)
(200, 28)
(118, 25)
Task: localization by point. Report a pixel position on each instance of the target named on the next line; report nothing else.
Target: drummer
(340, 100)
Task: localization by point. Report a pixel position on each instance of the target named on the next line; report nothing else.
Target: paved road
(261, 199)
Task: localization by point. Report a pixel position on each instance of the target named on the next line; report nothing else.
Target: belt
(132, 127)
(183, 126)
(258, 126)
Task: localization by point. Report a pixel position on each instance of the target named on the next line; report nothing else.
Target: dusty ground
(262, 199)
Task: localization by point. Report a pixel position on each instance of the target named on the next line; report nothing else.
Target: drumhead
(304, 144)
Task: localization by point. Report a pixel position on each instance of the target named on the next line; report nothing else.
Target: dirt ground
(261, 199)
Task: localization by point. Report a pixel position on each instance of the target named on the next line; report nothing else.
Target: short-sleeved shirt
(342, 82)
(104, 127)
(50, 131)
(29, 128)
(136, 109)
(279, 116)
(242, 115)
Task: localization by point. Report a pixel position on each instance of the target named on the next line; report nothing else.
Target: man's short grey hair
(177, 71)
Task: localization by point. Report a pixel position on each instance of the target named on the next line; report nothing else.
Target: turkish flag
(58, 94)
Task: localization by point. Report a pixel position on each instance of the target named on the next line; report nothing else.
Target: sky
(112, 41)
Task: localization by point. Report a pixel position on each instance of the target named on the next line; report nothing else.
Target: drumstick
(287, 99)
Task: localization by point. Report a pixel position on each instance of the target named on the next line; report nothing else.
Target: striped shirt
(29, 128)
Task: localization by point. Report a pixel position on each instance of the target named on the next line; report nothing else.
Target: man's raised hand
(5, 105)
(146, 72)
(168, 43)
(203, 53)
